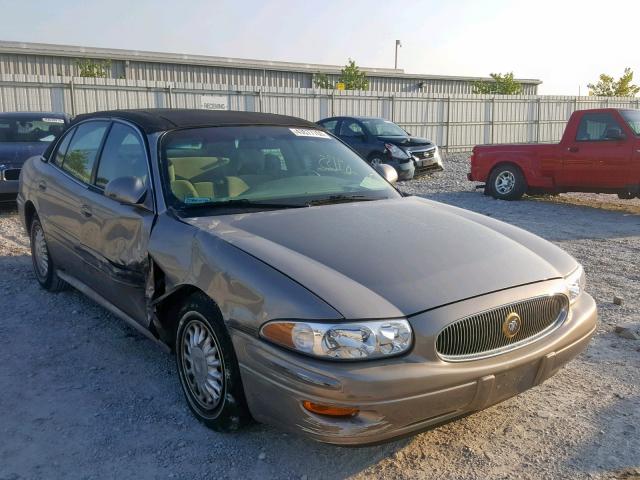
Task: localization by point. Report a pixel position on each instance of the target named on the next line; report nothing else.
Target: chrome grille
(481, 335)
(424, 154)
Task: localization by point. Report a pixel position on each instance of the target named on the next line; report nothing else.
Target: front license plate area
(513, 382)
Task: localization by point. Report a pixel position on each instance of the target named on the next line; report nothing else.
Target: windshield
(29, 130)
(380, 127)
(632, 117)
(264, 164)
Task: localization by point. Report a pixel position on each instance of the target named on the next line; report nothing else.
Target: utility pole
(398, 44)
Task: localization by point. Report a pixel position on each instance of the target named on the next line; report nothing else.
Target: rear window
(632, 117)
(30, 130)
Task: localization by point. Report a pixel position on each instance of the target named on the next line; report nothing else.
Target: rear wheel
(208, 368)
(506, 182)
(626, 195)
(43, 266)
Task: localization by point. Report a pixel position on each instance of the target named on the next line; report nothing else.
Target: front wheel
(43, 266)
(208, 368)
(626, 195)
(506, 182)
(375, 161)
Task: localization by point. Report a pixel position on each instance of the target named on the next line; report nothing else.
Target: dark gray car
(266, 254)
(381, 141)
(23, 135)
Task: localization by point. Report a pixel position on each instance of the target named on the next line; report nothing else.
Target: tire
(43, 266)
(506, 182)
(208, 367)
(375, 160)
(626, 195)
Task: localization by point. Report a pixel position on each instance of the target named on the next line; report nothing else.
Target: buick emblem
(511, 325)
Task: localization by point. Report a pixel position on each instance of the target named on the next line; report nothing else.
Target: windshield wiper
(341, 199)
(243, 202)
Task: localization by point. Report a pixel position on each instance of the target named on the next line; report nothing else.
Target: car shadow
(71, 370)
(550, 220)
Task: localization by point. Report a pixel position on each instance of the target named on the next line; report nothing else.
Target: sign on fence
(214, 102)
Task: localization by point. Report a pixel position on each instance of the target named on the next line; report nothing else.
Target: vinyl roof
(161, 119)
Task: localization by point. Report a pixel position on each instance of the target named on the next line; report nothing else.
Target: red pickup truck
(599, 152)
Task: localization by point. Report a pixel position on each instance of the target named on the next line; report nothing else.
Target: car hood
(406, 141)
(15, 154)
(391, 258)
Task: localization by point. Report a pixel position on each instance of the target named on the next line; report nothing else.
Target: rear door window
(330, 125)
(123, 155)
(83, 150)
(62, 148)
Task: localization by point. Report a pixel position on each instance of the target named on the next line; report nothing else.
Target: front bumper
(405, 169)
(9, 182)
(8, 190)
(407, 394)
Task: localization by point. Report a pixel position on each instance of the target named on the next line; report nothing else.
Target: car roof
(33, 115)
(162, 119)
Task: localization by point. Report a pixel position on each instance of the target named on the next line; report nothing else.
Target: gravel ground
(85, 396)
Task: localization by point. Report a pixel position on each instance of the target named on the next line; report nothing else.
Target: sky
(564, 43)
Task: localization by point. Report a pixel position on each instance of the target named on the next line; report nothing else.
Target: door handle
(42, 185)
(573, 149)
(86, 211)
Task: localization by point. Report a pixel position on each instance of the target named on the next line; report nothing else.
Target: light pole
(398, 44)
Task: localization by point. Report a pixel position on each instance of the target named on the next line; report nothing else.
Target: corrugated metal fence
(455, 122)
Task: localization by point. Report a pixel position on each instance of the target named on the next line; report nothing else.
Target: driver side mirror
(388, 172)
(126, 190)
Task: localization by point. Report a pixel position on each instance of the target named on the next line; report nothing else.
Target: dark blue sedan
(24, 135)
(381, 141)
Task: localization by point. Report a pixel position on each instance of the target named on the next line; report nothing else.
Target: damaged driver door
(115, 236)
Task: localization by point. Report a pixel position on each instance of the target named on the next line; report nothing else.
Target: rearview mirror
(126, 190)
(388, 172)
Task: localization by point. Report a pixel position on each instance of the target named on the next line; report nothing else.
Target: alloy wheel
(505, 182)
(202, 363)
(40, 252)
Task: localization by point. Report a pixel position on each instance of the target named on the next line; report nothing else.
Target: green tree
(501, 85)
(93, 68)
(321, 80)
(353, 78)
(608, 87)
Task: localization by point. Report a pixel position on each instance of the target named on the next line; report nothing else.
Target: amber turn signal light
(329, 410)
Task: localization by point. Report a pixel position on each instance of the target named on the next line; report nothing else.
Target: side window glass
(62, 149)
(350, 129)
(123, 155)
(83, 149)
(596, 127)
(330, 125)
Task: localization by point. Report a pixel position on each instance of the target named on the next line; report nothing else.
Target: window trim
(74, 129)
(621, 127)
(152, 205)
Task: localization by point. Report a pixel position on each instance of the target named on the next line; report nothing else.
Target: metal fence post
(260, 100)
(393, 105)
(72, 92)
(538, 109)
(448, 123)
(333, 101)
(493, 121)
(170, 95)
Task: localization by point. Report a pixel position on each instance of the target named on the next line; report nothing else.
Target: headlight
(575, 283)
(396, 151)
(342, 341)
